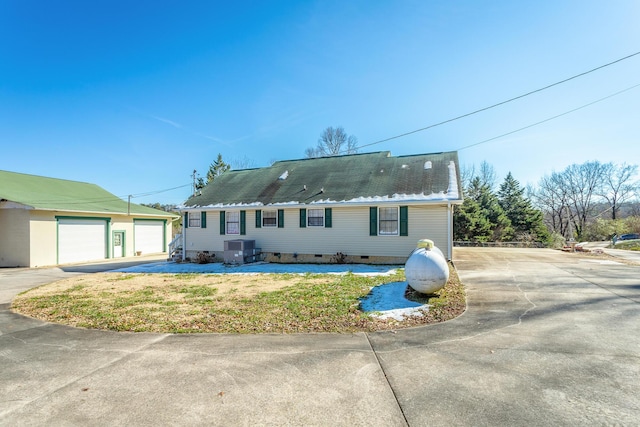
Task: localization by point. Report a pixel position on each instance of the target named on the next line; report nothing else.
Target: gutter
(330, 204)
(449, 231)
(184, 243)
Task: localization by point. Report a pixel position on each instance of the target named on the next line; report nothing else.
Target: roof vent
(405, 166)
(284, 175)
(427, 165)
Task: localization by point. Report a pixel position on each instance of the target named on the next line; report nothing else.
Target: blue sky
(135, 95)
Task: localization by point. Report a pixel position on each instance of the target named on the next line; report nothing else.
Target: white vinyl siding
(149, 236)
(81, 240)
(349, 233)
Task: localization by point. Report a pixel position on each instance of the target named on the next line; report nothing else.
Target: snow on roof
(434, 197)
(452, 190)
(350, 179)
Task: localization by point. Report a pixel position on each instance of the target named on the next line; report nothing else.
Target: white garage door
(149, 236)
(81, 240)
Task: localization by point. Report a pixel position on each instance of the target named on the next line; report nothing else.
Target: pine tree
(488, 202)
(217, 168)
(481, 218)
(470, 223)
(527, 222)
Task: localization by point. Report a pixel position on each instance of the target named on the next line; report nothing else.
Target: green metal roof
(358, 178)
(54, 194)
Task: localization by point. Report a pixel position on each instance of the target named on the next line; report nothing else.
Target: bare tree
(242, 163)
(583, 183)
(488, 175)
(551, 197)
(333, 142)
(618, 186)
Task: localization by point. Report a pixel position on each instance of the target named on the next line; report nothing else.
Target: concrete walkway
(549, 338)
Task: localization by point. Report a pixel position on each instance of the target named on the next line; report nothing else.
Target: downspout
(184, 239)
(449, 231)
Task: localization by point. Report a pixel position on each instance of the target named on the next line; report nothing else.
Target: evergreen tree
(470, 224)
(491, 209)
(200, 184)
(527, 222)
(217, 168)
(481, 218)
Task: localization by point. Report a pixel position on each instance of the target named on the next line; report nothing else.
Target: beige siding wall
(44, 235)
(29, 238)
(14, 238)
(126, 225)
(43, 239)
(349, 234)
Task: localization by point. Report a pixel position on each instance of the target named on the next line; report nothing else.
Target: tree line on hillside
(589, 201)
(575, 198)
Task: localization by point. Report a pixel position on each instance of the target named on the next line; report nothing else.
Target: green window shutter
(280, 218)
(223, 225)
(258, 219)
(243, 222)
(404, 220)
(303, 217)
(373, 221)
(327, 217)
(186, 220)
(203, 219)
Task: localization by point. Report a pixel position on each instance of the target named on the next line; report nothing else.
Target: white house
(370, 208)
(48, 221)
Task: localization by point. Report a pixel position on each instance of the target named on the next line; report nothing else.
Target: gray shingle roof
(351, 178)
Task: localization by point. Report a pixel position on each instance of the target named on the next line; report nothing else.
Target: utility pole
(194, 182)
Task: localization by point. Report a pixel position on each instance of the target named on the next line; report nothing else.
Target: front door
(118, 244)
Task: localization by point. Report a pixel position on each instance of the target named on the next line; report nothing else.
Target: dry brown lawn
(229, 303)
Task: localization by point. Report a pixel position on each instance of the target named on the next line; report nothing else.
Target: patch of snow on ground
(261, 267)
(388, 301)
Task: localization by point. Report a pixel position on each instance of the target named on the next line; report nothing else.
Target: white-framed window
(194, 219)
(270, 218)
(388, 221)
(315, 218)
(233, 222)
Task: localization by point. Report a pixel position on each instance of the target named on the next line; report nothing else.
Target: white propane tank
(426, 269)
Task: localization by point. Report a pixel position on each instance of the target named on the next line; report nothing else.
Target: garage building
(48, 221)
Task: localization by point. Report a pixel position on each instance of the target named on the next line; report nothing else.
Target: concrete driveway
(549, 339)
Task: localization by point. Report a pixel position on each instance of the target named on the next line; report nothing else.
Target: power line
(151, 193)
(550, 118)
(501, 103)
